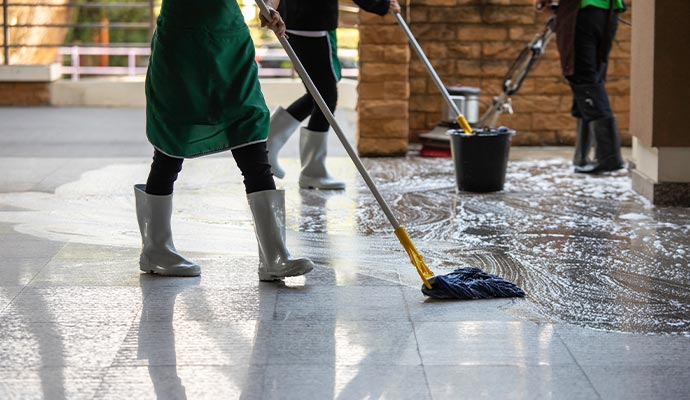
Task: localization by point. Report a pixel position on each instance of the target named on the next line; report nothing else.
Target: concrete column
(660, 97)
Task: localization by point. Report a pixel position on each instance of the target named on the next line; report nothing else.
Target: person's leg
(314, 137)
(163, 174)
(589, 91)
(284, 122)
(256, 170)
(154, 211)
(587, 83)
(583, 138)
(301, 108)
(320, 68)
(268, 210)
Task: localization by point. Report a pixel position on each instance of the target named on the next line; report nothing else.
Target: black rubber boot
(583, 142)
(608, 147)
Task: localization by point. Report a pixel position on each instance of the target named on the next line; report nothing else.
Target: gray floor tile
(181, 383)
(633, 382)
(329, 273)
(599, 348)
(356, 303)
(228, 270)
(422, 308)
(509, 382)
(21, 271)
(339, 343)
(35, 345)
(22, 247)
(357, 327)
(50, 383)
(7, 294)
(75, 303)
(346, 383)
(73, 169)
(184, 342)
(115, 271)
(490, 343)
(23, 174)
(210, 304)
(84, 252)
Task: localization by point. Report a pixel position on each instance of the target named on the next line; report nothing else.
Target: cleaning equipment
(480, 156)
(481, 159)
(518, 71)
(460, 118)
(471, 283)
(435, 141)
(452, 286)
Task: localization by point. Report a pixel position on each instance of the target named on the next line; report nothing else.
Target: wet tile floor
(607, 275)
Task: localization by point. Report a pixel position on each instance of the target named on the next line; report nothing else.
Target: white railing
(263, 55)
(76, 70)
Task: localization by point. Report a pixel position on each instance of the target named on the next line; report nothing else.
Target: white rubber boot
(158, 254)
(313, 147)
(275, 262)
(283, 125)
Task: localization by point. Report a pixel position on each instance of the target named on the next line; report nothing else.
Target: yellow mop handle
(416, 258)
(464, 124)
(434, 76)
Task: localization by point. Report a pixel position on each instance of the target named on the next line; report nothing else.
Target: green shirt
(605, 4)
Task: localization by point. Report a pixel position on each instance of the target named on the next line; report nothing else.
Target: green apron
(202, 88)
(335, 61)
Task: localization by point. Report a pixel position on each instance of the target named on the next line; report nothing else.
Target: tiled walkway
(608, 276)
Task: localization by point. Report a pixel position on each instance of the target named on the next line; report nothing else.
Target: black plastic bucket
(481, 159)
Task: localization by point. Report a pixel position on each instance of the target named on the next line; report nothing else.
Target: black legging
(315, 54)
(252, 161)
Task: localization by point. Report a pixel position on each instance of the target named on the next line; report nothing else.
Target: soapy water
(587, 250)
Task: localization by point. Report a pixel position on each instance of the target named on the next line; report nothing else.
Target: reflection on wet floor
(587, 250)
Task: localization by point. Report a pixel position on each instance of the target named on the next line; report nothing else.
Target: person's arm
(380, 7)
(276, 23)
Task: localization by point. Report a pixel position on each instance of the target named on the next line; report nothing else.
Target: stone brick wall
(384, 87)
(473, 43)
(24, 93)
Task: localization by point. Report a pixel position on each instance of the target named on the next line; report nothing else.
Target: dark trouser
(315, 55)
(590, 100)
(252, 161)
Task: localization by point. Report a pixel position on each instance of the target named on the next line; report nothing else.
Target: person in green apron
(585, 31)
(311, 27)
(203, 97)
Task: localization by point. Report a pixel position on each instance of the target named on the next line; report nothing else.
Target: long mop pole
(462, 121)
(415, 257)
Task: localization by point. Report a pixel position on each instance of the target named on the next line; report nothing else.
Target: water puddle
(587, 250)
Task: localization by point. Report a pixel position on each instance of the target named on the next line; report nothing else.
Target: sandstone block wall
(24, 93)
(472, 43)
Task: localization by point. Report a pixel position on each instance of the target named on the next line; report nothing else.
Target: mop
(467, 282)
(464, 283)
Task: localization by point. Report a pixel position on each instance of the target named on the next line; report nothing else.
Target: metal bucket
(467, 100)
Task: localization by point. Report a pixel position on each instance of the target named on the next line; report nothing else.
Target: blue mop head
(470, 283)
